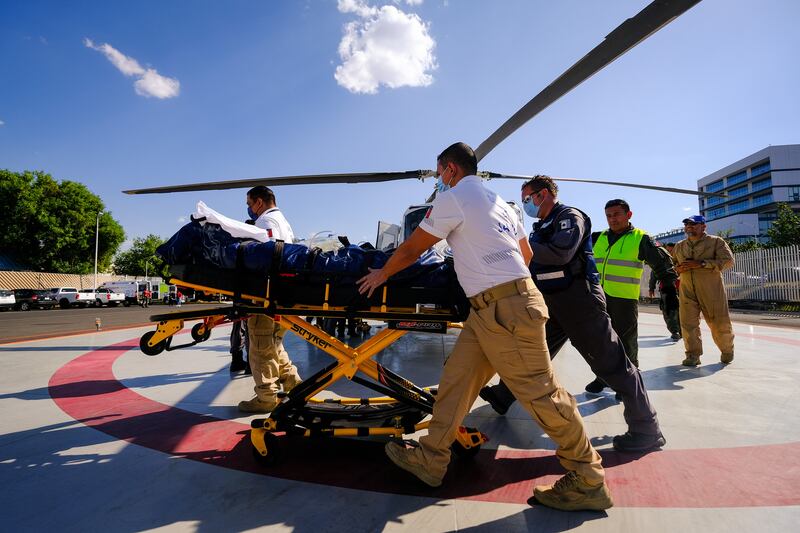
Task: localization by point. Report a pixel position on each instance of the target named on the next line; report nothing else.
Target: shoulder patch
(565, 224)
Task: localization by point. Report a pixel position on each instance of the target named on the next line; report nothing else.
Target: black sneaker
(596, 386)
(497, 403)
(676, 336)
(638, 442)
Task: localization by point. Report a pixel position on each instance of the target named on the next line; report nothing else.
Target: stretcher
(401, 407)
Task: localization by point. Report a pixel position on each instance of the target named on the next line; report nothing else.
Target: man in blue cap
(700, 260)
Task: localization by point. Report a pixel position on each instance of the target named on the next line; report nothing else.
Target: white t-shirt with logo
(483, 232)
(277, 226)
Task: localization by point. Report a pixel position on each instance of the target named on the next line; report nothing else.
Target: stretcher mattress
(203, 253)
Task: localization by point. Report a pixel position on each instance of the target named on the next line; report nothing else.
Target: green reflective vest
(619, 265)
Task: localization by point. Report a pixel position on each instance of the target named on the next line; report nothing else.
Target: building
(753, 187)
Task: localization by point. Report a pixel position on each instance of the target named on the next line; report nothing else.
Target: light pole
(96, 243)
(146, 264)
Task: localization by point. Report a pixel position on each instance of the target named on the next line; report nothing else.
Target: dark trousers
(670, 313)
(578, 314)
(239, 339)
(624, 313)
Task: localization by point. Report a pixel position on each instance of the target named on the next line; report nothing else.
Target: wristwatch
(703, 264)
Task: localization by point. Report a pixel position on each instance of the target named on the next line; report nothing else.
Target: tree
(785, 230)
(141, 258)
(51, 226)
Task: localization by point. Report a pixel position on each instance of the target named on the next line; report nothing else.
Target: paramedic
(563, 268)
(491, 255)
(269, 362)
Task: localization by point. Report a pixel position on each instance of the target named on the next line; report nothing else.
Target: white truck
(109, 297)
(71, 297)
(131, 289)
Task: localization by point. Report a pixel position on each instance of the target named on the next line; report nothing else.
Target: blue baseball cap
(695, 219)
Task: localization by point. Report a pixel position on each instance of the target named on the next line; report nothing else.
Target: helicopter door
(388, 236)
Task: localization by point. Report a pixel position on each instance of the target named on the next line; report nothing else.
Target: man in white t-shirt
(503, 334)
(269, 361)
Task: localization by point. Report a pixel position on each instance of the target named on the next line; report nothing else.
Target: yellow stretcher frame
(349, 361)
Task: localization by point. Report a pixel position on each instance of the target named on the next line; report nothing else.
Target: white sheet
(234, 227)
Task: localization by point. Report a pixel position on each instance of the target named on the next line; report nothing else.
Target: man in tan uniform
(503, 334)
(700, 260)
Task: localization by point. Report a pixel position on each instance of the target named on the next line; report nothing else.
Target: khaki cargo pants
(702, 291)
(506, 336)
(268, 359)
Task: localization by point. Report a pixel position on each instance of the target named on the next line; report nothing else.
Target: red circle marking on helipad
(750, 476)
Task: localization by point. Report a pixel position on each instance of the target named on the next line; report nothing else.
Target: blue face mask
(531, 210)
(440, 185)
(251, 214)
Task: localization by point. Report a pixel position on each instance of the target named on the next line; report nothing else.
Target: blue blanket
(209, 245)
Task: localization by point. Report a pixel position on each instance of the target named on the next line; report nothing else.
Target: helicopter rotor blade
(623, 38)
(359, 177)
(494, 175)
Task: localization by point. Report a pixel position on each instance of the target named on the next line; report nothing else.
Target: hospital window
(739, 206)
(759, 169)
(794, 194)
(716, 186)
(716, 213)
(763, 184)
(739, 191)
(763, 199)
(737, 178)
(714, 200)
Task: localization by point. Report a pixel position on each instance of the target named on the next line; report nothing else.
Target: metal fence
(768, 275)
(771, 274)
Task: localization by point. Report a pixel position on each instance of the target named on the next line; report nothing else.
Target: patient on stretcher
(224, 248)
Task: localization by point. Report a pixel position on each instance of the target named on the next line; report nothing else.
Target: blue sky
(120, 96)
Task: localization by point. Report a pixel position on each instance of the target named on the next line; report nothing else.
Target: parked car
(90, 297)
(70, 296)
(109, 297)
(33, 299)
(7, 300)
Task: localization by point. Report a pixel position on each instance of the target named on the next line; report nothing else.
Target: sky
(129, 95)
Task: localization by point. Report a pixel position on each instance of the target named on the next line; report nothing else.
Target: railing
(769, 275)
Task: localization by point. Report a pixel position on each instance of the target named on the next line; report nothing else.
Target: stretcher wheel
(273, 451)
(196, 333)
(151, 350)
(464, 453)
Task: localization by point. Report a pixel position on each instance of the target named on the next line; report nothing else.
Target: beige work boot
(407, 459)
(726, 358)
(258, 406)
(290, 381)
(571, 493)
(691, 360)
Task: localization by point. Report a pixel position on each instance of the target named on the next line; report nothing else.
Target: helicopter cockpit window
(413, 219)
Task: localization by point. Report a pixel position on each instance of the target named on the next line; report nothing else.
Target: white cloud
(2, 123)
(385, 47)
(149, 82)
(183, 220)
(687, 209)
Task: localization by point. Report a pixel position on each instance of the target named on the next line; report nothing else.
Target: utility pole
(96, 243)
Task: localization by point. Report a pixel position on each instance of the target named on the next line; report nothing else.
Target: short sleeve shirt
(483, 232)
(277, 226)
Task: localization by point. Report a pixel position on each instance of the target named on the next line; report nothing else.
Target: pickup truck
(106, 296)
(70, 297)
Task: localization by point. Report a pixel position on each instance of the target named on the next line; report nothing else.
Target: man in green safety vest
(620, 253)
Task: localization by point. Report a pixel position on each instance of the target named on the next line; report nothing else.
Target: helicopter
(627, 35)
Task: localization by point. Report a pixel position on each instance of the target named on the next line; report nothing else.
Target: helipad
(98, 436)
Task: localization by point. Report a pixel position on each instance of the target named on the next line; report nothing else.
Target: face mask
(441, 186)
(251, 214)
(531, 209)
